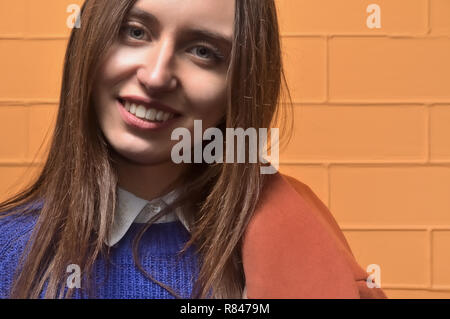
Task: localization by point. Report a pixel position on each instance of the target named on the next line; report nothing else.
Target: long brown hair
(78, 182)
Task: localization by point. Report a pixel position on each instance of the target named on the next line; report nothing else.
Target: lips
(147, 104)
(159, 120)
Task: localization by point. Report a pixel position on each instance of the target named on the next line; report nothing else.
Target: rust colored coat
(293, 248)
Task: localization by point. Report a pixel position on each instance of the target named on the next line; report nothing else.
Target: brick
(401, 255)
(440, 17)
(15, 178)
(305, 66)
(13, 132)
(363, 133)
(416, 294)
(397, 195)
(31, 69)
(42, 123)
(332, 17)
(440, 132)
(315, 176)
(389, 69)
(48, 17)
(13, 64)
(13, 20)
(441, 258)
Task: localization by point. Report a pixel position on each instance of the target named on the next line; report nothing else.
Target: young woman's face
(169, 68)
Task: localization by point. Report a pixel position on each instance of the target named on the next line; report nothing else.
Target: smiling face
(167, 69)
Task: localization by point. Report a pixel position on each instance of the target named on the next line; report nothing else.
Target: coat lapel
(293, 248)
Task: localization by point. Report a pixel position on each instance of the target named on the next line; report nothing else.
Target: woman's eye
(203, 52)
(208, 54)
(133, 32)
(136, 33)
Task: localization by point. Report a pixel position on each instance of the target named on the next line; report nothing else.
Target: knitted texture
(158, 250)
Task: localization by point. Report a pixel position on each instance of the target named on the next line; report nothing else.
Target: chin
(147, 157)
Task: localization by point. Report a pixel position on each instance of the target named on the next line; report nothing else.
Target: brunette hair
(78, 181)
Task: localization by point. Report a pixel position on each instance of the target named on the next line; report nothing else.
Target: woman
(111, 192)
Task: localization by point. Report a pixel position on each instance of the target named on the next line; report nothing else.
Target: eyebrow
(150, 19)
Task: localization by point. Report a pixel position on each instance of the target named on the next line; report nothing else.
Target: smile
(149, 114)
(146, 115)
(146, 112)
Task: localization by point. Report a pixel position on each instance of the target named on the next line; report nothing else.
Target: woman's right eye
(134, 32)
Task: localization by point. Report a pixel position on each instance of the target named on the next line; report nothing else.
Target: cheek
(107, 84)
(118, 65)
(207, 94)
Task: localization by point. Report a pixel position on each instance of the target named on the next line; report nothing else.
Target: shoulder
(294, 248)
(15, 230)
(15, 225)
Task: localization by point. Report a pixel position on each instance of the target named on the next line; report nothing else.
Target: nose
(156, 74)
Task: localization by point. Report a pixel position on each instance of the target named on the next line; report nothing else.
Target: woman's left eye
(208, 53)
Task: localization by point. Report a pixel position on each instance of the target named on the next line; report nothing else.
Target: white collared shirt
(132, 209)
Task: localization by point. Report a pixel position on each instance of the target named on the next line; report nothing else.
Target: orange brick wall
(33, 37)
(372, 108)
(372, 130)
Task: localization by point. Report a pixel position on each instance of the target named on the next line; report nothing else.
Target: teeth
(166, 116)
(159, 115)
(151, 115)
(148, 114)
(133, 109)
(140, 112)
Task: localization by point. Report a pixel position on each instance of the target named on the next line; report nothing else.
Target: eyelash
(217, 54)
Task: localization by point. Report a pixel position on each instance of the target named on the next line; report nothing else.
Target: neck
(148, 181)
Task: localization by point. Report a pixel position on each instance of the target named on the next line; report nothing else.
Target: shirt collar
(133, 209)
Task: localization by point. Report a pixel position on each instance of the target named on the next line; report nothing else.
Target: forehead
(212, 15)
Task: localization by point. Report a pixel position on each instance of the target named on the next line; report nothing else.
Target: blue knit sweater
(158, 256)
